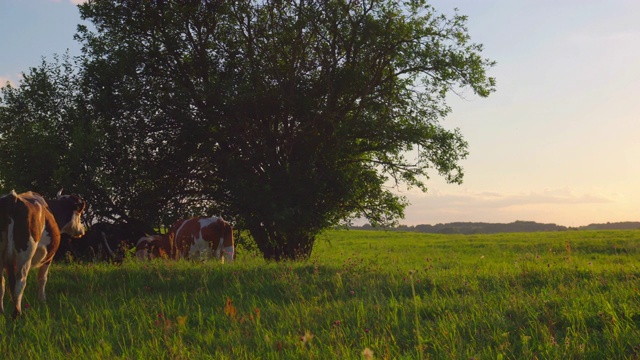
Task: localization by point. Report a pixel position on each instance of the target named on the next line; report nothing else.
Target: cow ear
(59, 194)
(13, 195)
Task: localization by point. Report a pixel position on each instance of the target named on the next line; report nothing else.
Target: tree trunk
(280, 246)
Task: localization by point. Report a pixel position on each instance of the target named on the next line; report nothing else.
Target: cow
(108, 241)
(67, 211)
(202, 237)
(154, 246)
(29, 237)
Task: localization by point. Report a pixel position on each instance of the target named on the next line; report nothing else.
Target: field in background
(363, 294)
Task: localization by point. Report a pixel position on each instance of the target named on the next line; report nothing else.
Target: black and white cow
(108, 241)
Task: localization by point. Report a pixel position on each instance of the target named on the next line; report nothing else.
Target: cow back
(49, 238)
(20, 220)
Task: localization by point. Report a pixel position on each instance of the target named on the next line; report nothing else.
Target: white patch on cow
(74, 227)
(200, 248)
(43, 275)
(27, 254)
(219, 248)
(45, 240)
(39, 254)
(23, 257)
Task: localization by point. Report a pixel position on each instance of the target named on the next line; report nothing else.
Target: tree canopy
(288, 116)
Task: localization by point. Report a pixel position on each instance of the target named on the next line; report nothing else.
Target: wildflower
(337, 323)
(352, 292)
(307, 337)
(182, 321)
(367, 353)
(26, 306)
(367, 330)
(229, 309)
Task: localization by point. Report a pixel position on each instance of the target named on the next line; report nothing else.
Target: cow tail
(106, 243)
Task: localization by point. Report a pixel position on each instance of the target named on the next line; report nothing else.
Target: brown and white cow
(203, 237)
(154, 246)
(67, 211)
(29, 237)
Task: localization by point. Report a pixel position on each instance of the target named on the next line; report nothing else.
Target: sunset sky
(557, 142)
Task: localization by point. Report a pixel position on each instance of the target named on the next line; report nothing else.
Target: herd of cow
(34, 232)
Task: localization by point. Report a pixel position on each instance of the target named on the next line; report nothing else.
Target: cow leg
(2, 285)
(23, 262)
(11, 276)
(4, 240)
(21, 283)
(43, 275)
(228, 253)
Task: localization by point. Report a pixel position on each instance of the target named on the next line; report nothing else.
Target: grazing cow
(200, 237)
(154, 246)
(29, 237)
(108, 242)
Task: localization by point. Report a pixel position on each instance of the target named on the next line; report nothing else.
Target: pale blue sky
(558, 140)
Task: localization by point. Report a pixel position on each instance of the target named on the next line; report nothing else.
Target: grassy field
(363, 295)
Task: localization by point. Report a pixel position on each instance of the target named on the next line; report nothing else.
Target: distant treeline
(491, 228)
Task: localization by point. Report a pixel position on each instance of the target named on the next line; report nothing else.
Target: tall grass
(362, 294)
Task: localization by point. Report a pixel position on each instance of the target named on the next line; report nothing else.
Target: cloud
(13, 79)
(77, 2)
(562, 206)
(504, 200)
(4, 80)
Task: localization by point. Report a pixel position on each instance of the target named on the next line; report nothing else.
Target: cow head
(153, 246)
(70, 208)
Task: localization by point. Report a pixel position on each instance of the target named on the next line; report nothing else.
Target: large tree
(51, 139)
(292, 116)
(40, 148)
